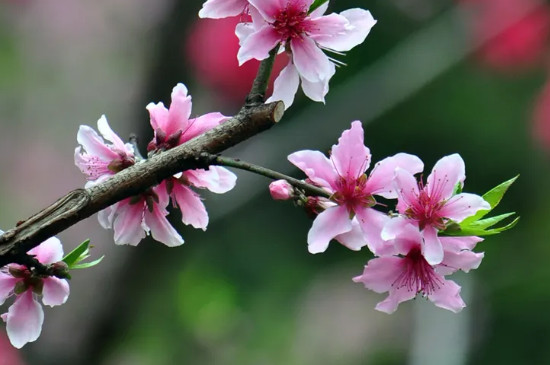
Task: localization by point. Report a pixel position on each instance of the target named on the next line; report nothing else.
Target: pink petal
(269, 8)
(381, 273)
(216, 179)
(406, 235)
(106, 216)
(217, 9)
(128, 224)
(395, 297)
(180, 110)
(285, 86)
(94, 144)
(158, 115)
(192, 209)
(432, 250)
(49, 251)
(354, 239)
(107, 133)
(7, 283)
(55, 291)
(258, 44)
(447, 296)
(317, 167)
(462, 206)
(329, 224)
(406, 188)
(372, 222)
(358, 26)
(199, 125)
(350, 156)
(462, 260)
(312, 64)
(457, 244)
(24, 320)
(327, 27)
(446, 174)
(317, 90)
(381, 179)
(319, 11)
(161, 229)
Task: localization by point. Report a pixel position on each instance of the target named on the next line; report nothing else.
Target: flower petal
(7, 283)
(406, 188)
(55, 291)
(354, 239)
(447, 296)
(128, 223)
(380, 273)
(342, 38)
(462, 260)
(285, 85)
(94, 144)
(317, 90)
(49, 251)
(192, 209)
(216, 179)
(217, 9)
(380, 181)
(350, 156)
(107, 133)
(432, 250)
(372, 222)
(317, 167)
(462, 206)
(24, 320)
(258, 44)
(199, 125)
(161, 229)
(395, 297)
(327, 225)
(179, 112)
(158, 115)
(310, 61)
(445, 175)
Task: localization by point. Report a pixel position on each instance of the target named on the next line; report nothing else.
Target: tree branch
(81, 203)
(247, 166)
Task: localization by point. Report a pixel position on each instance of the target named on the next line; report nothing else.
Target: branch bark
(81, 203)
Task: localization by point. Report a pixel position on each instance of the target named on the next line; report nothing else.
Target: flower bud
(281, 190)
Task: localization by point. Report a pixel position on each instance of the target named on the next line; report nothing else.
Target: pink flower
(433, 205)
(217, 9)
(304, 35)
(408, 273)
(172, 128)
(281, 190)
(133, 218)
(97, 159)
(25, 316)
(343, 176)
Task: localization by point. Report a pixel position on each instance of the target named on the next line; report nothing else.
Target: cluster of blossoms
(25, 316)
(291, 26)
(132, 218)
(411, 256)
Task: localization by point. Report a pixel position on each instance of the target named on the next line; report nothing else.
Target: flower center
(418, 275)
(426, 211)
(351, 193)
(289, 23)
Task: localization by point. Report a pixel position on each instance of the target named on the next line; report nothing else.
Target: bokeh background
(433, 78)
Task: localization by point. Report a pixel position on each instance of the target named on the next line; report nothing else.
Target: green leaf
(88, 264)
(489, 222)
(315, 5)
(73, 257)
(477, 231)
(493, 197)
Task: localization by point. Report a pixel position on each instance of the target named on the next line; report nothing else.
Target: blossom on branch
(281, 190)
(304, 35)
(97, 159)
(173, 127)
(25, 316)
(433, 206)
(406, 272)
(343, 176)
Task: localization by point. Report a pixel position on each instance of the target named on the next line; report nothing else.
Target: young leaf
(73, 257)
(88, 264)
(316, 4)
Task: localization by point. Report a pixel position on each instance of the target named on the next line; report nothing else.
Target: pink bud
(281, 190)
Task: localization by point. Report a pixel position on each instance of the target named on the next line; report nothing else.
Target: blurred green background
(247, 291)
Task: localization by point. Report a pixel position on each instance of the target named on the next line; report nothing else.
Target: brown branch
(81, 203)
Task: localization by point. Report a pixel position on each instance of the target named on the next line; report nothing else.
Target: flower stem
(259, 86)
(242, 165)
